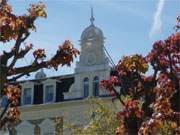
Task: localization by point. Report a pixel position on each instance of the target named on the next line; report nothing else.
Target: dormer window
(49, 93)
(27, 92)
(27, 96)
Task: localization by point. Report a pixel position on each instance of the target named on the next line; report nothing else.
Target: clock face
(88, 44)
(91, 58)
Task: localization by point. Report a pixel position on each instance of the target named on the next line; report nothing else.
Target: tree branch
(17, 77)
(7, 55)
(4, 111)
(20, 55)
(29, 68)
(118, 95)
(3, 122)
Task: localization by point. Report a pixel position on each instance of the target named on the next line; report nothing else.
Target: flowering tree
(102, 120)
(153, 105)
(17, 28)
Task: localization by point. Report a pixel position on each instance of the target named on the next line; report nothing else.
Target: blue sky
(130, 26)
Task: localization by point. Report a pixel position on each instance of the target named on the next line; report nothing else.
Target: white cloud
(157, 23)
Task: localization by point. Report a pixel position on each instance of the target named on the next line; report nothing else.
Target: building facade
(48, 102)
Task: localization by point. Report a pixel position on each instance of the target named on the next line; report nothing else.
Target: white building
(45, 100)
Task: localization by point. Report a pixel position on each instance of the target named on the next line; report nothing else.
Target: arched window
(86, 87)
(96, 86)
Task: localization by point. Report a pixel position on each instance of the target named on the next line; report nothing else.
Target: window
(96, 86)
(49, 93)
(27, 93)
(86, 87)
(27, 96)
(4, 101)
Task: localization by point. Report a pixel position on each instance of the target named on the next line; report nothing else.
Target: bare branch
(30, 68)
(20, 55)
(118, 95)
(17, 77)
(4, 111)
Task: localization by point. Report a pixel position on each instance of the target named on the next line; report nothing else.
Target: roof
(58, 78)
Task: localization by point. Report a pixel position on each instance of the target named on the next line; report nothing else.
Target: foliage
(153, 106)
(17, 28)
(102, 121)
(12, 115)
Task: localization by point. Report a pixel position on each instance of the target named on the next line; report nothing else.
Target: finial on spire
(92, 17)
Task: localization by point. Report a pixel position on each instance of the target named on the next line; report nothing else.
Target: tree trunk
(3, 79)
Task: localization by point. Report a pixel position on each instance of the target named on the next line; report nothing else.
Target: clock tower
(93, 65)
(92, 55)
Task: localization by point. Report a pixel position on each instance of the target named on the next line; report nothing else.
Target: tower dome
(92, 32)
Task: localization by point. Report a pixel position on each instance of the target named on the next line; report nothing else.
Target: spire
(92, 17)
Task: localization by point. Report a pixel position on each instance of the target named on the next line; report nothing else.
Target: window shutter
(59, 94)
(38, 94)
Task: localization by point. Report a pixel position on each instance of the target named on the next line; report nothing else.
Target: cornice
(56, 105)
